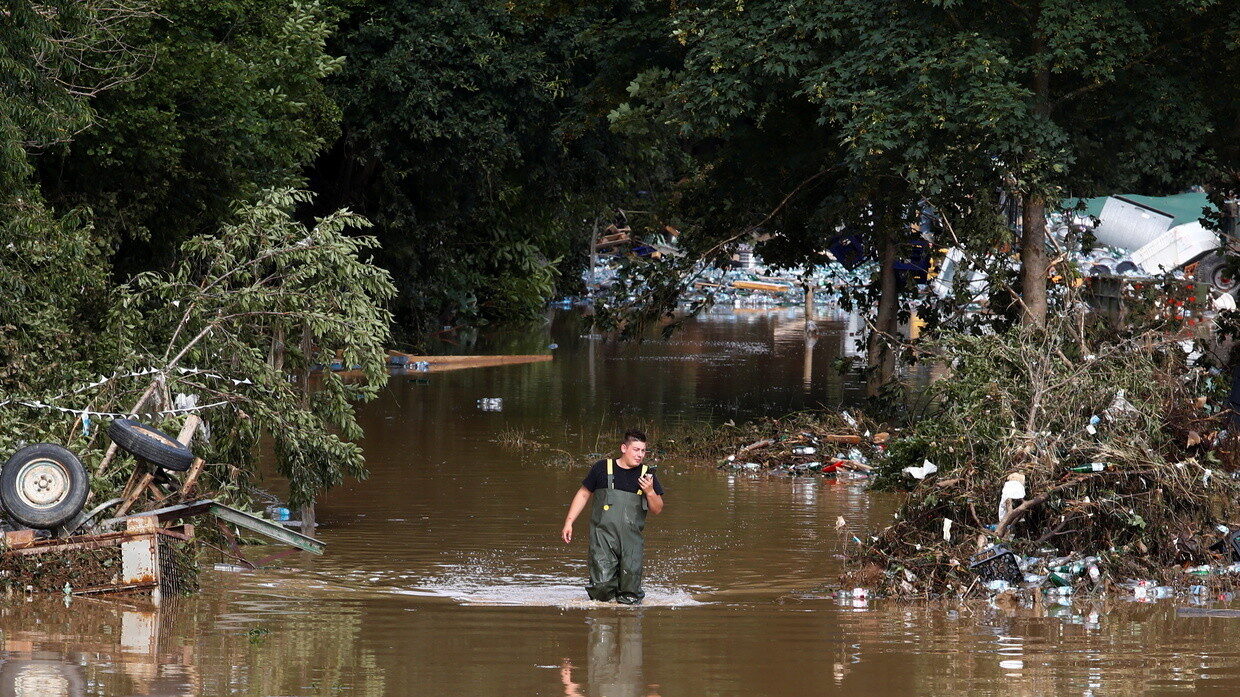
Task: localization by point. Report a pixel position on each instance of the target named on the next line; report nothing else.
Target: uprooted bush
(1054, 406)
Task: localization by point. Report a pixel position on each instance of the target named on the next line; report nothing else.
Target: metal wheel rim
(1221, 280)
(42, 483)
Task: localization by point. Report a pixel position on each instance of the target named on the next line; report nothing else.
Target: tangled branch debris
(1061, 447)
(804, 443)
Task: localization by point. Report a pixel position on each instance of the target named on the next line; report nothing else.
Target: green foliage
(231, 324)
(53, 56)
(54, 279)
(476, 139)
(232, 102)
(261, 287)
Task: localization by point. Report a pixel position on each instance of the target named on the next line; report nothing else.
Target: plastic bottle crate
(997, 563)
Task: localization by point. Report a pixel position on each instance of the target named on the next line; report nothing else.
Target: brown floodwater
(444, 573)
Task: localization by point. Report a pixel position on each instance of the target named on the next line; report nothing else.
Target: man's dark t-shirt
(626, 479)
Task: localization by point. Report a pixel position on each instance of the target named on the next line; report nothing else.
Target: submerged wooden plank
(761, 285)
(474, 361)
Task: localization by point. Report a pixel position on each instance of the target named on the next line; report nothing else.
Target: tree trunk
(307, 347)
(809, 305)
(880, 354)
(276, 357)
(1033, 260)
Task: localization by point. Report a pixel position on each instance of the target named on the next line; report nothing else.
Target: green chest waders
(616, 544)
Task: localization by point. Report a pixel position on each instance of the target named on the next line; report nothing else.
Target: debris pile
(802, 444)
(1056, 458)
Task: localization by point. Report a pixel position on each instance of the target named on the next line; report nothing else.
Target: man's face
(634, 451)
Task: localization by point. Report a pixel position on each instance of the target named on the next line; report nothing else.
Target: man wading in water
(626, 490)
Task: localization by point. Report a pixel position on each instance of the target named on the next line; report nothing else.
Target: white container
(1176, 247)
(1129, 225)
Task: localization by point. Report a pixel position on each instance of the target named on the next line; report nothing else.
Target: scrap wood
(762, 286)
(191, 477)
(754, 446)
(445, 363)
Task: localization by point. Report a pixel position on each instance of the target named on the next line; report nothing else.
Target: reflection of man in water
(623, 491)
(614, 667)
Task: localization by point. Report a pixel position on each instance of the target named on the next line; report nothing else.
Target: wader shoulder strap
(611, 475)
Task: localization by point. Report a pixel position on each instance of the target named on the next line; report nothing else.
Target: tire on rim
(1213, 270)
(151, 444)
(43, 486)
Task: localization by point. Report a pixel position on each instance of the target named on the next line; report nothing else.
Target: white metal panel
(1176, 247)
(1127, 225)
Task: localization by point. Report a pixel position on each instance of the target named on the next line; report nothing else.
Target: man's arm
(574, 509)
(652, 497)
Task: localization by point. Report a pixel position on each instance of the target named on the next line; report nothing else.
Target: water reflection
(49, 646)
(614, 659)
(212, 645)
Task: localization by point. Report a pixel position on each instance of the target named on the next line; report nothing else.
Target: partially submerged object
(240, 518)
(145, 553)
(150, 552)
(442, 364)
(142, 557)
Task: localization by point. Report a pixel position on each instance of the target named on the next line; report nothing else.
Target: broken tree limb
(1020, 511)
(754, 446)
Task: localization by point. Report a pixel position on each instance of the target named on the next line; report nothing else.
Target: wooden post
(809, 305)
(191, 477)
(593, 260)
(307, 519)
(307, 511)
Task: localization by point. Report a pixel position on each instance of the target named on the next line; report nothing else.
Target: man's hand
(574, 509)
(646, 483)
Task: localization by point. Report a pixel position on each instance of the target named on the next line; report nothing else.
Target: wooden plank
(191, 425)
(759, 285)
(449, 367)
(191, 477)
(132, 498)
(491, 360)
(83, 542)
(18, 538)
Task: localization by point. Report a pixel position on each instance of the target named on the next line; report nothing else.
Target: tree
(53, 270)
(475, 137)
(233, 103)
(1102, 105)
(942, 102)
(826, 113)
(249, 306)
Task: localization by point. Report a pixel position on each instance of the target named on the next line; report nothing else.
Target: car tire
(43, 486)
(150, 444)
(1213, 271)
